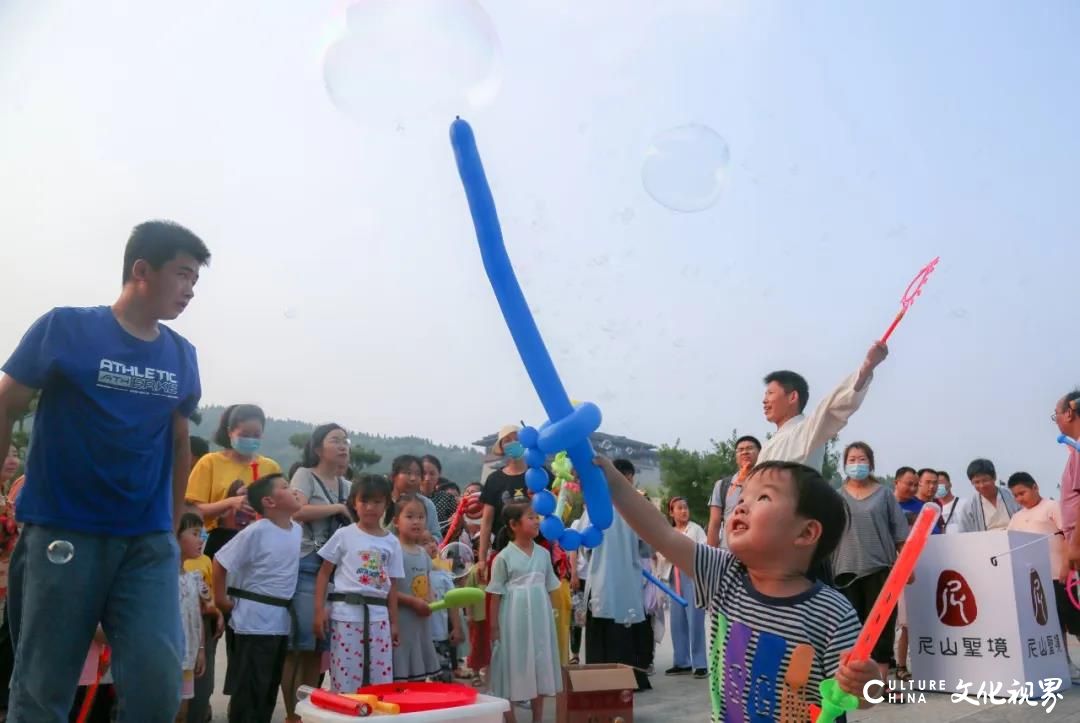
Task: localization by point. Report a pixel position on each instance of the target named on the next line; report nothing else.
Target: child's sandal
(902, 673)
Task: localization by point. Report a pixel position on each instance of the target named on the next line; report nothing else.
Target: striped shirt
(768, 655)
(876, 526)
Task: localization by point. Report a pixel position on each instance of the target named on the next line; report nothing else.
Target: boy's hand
(320, 625)
(852, 676)
(394, 634)
(224, 604)
(219, 624)
(421, 608)
(200, 663)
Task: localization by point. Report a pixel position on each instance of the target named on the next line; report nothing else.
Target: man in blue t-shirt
(105, 475)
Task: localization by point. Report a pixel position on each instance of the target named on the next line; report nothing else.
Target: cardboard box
(597, 694)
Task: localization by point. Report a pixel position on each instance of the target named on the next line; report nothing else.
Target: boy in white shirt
(1042, 516)
(262, 564)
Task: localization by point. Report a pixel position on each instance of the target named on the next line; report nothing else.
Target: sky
(865, 139)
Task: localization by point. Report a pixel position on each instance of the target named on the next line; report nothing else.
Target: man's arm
(713, 536)
(181, 464)
(14, 401)
(832, 413)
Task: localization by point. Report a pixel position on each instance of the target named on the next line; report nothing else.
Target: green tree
(831, 468)
(692, 474)
(359, 457)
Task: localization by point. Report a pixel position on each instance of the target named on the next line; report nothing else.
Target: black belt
(355, 598)
(278, 602)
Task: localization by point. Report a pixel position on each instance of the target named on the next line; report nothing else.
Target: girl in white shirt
(365, 560)
(687, 624)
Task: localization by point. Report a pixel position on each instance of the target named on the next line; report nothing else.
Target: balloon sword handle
(892, 327)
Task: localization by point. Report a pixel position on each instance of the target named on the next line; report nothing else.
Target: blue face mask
(858, 471)
(514, 450)
(246, 445)
(941, 491)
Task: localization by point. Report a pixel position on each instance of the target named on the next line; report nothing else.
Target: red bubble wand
(834, 701)
(913, 290)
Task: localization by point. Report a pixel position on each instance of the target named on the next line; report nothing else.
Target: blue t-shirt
(912, 508)
(100, 456)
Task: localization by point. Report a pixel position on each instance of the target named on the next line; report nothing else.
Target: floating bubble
(398, 62)
(629, 617)
(685, 168)
(60, 552)
(461, 559)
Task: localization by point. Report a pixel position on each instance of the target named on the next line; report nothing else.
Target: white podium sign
(981, 623)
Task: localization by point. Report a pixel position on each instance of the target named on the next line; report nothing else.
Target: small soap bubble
(630, 617)
(60, 552)
(461, 559)
(685, 168)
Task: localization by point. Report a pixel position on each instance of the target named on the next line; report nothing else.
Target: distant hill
(461, 464)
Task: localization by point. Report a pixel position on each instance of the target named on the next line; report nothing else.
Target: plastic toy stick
(459, 597)
(326, 700)
(254, 471)
(1068, 442)
(664, 587)
(570, 425)
(377, 705)
(91, 692)
(834, 701)
(913, 290)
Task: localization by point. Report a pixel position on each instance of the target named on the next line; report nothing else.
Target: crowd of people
(138, 549)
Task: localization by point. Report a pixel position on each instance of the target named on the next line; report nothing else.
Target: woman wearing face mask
(218, 482)
(870, 543)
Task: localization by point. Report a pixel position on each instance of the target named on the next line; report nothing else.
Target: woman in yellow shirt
(219, 480)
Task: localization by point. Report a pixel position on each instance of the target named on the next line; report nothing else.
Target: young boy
(263, 563)
(1041, 516)
(775, 634)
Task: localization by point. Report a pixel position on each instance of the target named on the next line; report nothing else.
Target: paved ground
(685, 699)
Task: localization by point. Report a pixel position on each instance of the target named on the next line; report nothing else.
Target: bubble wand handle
(834, 701)
(1068, 442)
(519, 320)
(892, 326)
(664, 587)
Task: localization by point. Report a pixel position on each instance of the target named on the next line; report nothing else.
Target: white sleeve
(234, 553)
(830, 415)
(333, 550)
(395, 567)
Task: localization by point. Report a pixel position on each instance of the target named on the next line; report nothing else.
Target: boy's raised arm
(646, 520)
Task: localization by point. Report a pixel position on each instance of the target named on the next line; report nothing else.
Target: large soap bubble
(685, 168)
(60, 552)
(400, 62)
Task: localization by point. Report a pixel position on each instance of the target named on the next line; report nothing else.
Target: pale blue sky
(865, 139)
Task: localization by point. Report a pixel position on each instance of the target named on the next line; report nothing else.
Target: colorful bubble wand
(569, 426)
(913, 291)
(834, 701)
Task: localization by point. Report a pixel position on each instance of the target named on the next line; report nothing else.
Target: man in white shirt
(800, 438)
(947, 501)
(992, 506)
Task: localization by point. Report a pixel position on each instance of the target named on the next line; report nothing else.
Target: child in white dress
(525, 654)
